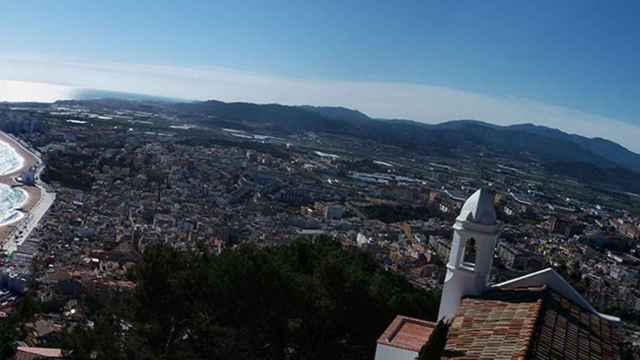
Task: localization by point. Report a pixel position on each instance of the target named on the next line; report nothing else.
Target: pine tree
(434, 347)
(8, 338)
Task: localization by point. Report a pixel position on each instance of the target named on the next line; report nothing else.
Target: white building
(474, 240)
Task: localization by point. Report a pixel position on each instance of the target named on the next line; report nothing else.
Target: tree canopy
(305, 300)
(434, 347)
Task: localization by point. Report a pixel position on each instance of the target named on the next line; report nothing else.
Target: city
(312, 180)
(125, 180)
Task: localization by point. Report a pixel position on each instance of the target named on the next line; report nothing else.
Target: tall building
(475, 234)
(535, 316)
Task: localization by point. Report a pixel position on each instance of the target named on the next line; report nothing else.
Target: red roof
(566, 331)
(407, 333)
(29, 353)
(529, 323)
(498, 326)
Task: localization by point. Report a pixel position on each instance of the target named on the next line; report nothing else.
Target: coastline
(17, 213)
(17, 167)
(33, 208)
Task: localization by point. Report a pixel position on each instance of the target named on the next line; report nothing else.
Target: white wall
(385, 352)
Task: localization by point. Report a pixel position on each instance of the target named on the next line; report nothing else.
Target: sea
(10, 198)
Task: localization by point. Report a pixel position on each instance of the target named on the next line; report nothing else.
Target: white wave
(10, 160)
(11, 199)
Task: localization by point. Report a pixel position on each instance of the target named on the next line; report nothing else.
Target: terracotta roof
(499, 325)
(529, 323)
(566, 331)
(479, 208)
(407, 333)
(29, 353)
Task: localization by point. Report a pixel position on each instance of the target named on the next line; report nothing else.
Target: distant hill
(610, 150)
(523, 141)
(338, 113)
(274, 117)
(603, 158)
(91, 94)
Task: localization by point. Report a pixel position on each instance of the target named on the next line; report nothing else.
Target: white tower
(474, 240)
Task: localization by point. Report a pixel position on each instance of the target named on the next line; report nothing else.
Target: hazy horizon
(370, 98)
(543, 62)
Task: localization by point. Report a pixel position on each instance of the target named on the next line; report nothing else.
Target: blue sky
(581, 56)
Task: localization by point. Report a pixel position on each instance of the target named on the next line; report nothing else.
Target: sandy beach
(8, 231)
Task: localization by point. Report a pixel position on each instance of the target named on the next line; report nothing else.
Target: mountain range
(545, 143)
(592, 159)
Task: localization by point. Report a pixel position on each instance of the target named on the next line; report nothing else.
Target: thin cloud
(431, 104)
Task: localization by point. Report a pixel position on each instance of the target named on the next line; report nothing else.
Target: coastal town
(105, 184)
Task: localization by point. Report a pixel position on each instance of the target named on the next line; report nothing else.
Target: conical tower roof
(479, 208)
